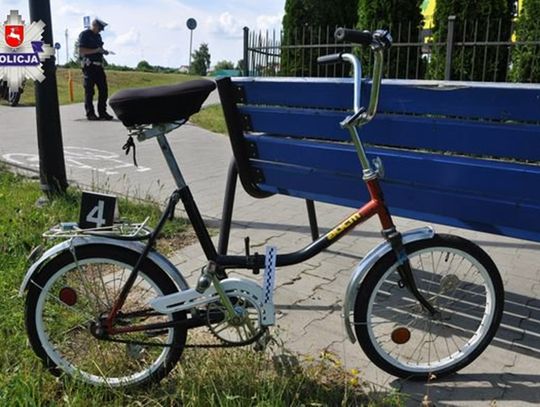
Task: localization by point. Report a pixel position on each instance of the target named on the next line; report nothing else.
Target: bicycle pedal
(262, 343)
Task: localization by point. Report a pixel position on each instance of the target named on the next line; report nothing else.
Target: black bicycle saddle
(160, 104)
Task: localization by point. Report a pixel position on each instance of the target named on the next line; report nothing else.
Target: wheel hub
(449, 283)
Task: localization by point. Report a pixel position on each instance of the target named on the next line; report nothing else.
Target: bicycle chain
(164, 345)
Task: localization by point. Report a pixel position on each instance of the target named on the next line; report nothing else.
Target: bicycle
(113, 311)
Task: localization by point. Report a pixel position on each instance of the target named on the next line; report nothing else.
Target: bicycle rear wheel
(71, 293)
(459, 279)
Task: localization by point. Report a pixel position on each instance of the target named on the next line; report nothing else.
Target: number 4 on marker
(96, 214)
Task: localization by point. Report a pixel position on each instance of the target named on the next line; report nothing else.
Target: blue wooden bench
(458, 153)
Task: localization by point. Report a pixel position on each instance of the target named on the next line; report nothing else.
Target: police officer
(91, 52)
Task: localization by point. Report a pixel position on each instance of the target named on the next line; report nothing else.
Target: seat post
(171, 161)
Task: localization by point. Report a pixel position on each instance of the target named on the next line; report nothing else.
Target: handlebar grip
(330, 59)
(355, 36)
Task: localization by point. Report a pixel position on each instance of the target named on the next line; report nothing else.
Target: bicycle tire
(83, 356)
(375, 329)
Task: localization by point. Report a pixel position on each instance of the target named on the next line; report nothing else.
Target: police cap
(100, 23)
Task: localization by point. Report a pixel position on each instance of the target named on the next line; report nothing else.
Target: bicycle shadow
(519, 334)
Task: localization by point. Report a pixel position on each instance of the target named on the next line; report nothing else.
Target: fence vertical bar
(246, 51)
(408, 51)
(319, 50)
(464, 39)
(449, 46)
(484, 66)
(327, 49)
(497, 51)
(398, 50)
(267, 54)
(475, 39)
(510, 50)
(311, 51)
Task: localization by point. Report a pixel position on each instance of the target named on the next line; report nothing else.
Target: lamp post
(191, 25)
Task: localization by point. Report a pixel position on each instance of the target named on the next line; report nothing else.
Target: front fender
(134, 246)
(366, 264)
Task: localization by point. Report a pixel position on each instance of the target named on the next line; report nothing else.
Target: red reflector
(401, 335)
(68, 296)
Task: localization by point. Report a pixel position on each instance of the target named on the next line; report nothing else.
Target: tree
(201, 61)
(476, 20)
(312, 22)
(403, 18)
(526, 58)
(221, 65)
(144, 66)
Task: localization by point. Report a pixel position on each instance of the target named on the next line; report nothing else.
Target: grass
(211, 118)
(116, 80)
(221, 377)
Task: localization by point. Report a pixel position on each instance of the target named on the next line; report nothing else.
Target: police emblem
(22, 51)
(14, 35)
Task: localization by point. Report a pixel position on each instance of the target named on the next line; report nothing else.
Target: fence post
(246, 51)
(449, 46)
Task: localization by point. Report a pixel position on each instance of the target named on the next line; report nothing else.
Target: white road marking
(83, 158)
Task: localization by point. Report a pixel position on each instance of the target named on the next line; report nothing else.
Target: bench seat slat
(491, 101)
(519, 141)
(412, 201)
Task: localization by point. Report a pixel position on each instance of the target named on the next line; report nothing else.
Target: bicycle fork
(404, 269)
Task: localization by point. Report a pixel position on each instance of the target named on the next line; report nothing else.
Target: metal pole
(67, 46)
(246, 51)
(190, 47)
(49, 132)
(228, 205)
(312, 215)
(449, 46)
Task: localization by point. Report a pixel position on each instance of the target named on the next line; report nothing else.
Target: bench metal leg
(228, 204)
(312, 215)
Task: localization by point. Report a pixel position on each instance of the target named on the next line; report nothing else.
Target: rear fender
(136, 247)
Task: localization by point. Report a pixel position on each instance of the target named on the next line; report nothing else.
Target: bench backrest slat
(457, 99)
(499, 140)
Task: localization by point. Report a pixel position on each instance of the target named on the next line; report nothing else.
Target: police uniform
(94, 75)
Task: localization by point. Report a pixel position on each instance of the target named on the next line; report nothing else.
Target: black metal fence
(470, 51)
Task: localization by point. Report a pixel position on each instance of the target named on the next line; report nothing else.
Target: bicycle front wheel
(463, 284)
(72, 292)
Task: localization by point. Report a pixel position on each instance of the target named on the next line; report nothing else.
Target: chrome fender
(137, 247)
(366, 264)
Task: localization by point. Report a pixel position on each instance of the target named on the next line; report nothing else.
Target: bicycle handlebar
(358, 37)
(378, 41)
(330, 59)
